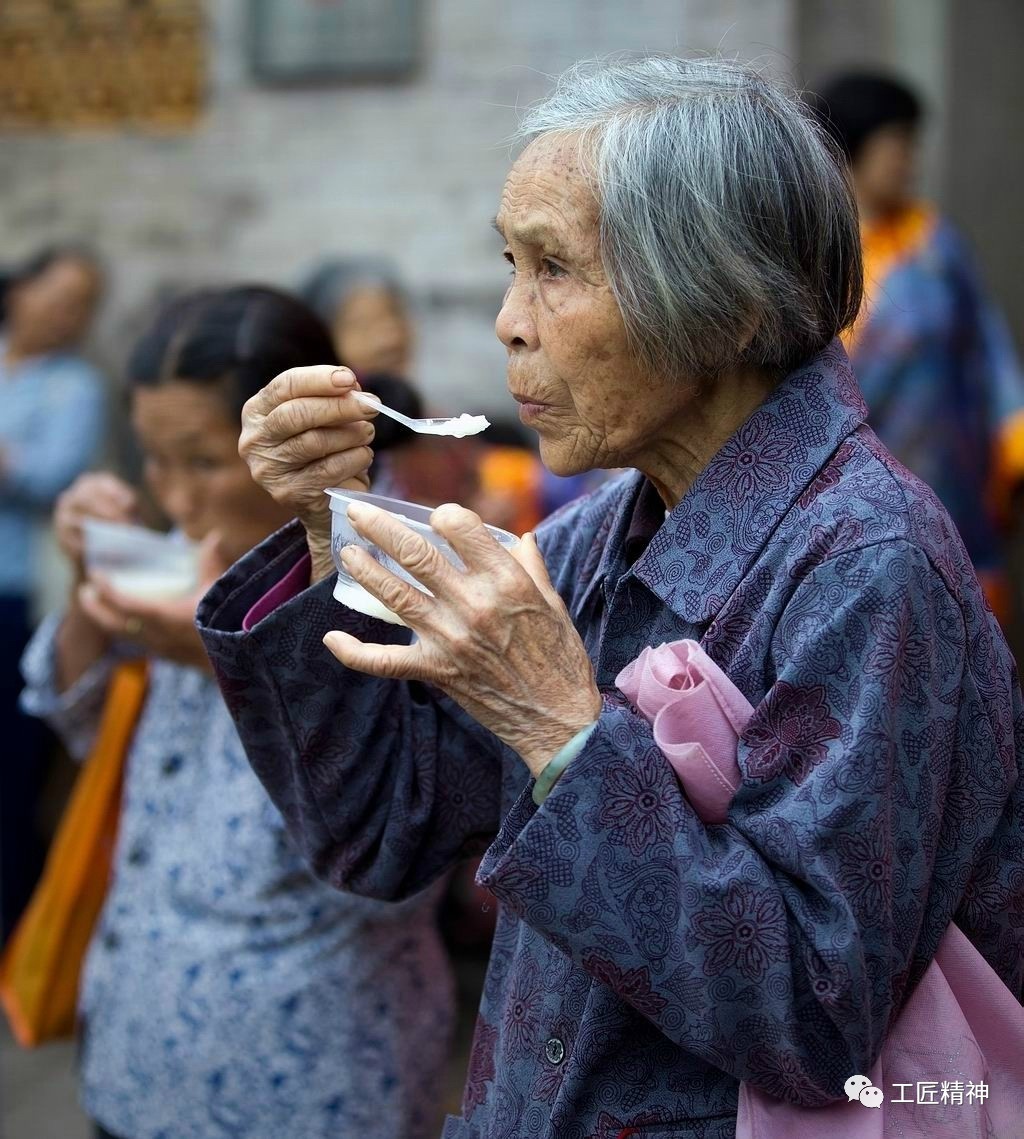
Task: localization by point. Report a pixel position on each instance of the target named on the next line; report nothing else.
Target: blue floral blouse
(644, 962)
(227, 993)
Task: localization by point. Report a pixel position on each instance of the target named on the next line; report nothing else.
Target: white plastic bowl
(348, 591)
(141, 563)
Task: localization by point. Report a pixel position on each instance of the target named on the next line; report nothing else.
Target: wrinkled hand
(165, 629)
(94, 495)
(495, 637)
(303, 433)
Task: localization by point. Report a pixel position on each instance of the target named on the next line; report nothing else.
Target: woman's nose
(181, 502)
(515, 326)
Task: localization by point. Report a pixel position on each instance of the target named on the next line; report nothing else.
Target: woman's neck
(700, 430)
(14, 352)
(874, 211)
(8, 356)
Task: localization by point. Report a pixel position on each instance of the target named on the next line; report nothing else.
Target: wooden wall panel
(87, 64)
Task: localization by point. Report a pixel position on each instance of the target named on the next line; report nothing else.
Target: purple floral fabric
(644, 963)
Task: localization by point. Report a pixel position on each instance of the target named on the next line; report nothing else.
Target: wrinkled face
(372, 332)
(885, 168)
(53, 310)
(570, 367)
(189, 440)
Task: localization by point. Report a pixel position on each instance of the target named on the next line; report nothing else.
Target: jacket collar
(710, 540)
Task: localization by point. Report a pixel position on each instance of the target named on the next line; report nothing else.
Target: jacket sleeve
(384, 784)
(779, 945)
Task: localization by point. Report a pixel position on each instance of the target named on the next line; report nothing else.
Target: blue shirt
(51, 424)
(227, 992)
(645, 962)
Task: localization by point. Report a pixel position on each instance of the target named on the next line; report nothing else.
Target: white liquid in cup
(151, 583)
(357, 598)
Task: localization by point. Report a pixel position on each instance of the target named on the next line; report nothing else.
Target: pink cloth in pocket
(697, 714)
(961, 1025)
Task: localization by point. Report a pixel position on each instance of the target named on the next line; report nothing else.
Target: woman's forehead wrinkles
(544, 206)
(532, 230)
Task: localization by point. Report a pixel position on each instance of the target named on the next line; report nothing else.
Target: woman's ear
(750, 328)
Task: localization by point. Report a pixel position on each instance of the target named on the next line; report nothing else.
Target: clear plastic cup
(348, 591)
(141, 563)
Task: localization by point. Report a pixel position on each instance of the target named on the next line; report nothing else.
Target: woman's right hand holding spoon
(303, 433)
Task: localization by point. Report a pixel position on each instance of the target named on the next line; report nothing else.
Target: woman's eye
(510, 259)
(202, 464)
(552, 268)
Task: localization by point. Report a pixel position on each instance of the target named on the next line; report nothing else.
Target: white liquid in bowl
(151, 583)
(357, 598)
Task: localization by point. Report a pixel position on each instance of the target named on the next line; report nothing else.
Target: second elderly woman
(684, 251)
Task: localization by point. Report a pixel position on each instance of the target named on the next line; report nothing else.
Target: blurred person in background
(226, 990)
(931, 352)
(362, 302)
(52, 424)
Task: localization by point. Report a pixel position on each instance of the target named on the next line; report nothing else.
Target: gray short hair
(729, 228)
(328, 286)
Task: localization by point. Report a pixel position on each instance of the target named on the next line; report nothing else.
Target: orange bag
(41, 964)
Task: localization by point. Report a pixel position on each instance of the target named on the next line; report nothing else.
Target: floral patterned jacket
(644, 963)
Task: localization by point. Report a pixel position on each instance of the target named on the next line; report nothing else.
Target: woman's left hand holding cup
(496, 637)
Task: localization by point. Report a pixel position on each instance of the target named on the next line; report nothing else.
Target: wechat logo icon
(860, 1088)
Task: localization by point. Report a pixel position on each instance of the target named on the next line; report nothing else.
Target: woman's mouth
(529, 409)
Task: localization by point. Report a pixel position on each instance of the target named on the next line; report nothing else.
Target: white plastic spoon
(458, 426)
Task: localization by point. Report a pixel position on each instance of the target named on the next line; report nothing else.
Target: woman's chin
(564, 461)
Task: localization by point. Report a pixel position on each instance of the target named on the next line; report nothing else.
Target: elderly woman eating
(684, 251)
